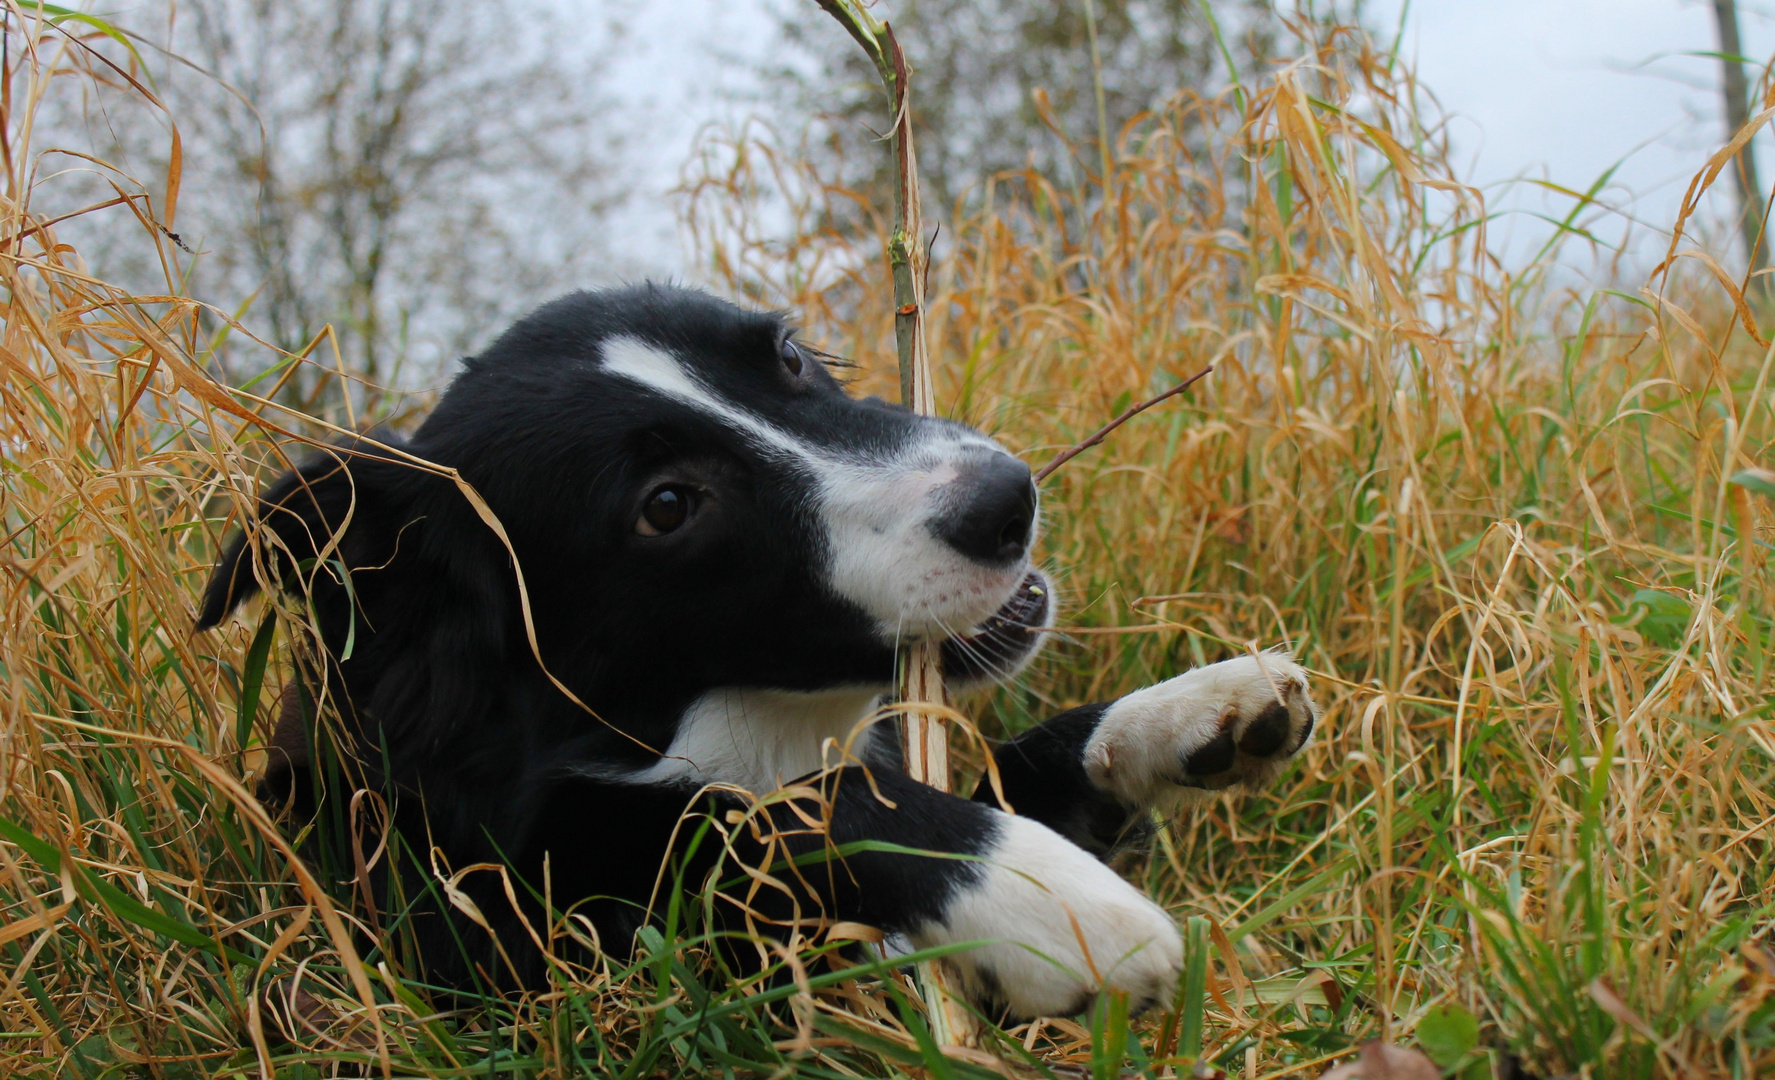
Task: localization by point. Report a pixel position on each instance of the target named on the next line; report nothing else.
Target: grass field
(1521, 534)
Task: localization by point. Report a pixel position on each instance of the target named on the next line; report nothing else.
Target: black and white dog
(723, 552)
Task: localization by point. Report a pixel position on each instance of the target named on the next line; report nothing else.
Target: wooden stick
(921, 666)
(1103, 432)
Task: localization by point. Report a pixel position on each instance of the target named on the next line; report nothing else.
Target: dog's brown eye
(791, 357)
(668, 508)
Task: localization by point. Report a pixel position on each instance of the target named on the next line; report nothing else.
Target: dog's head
(691, 496)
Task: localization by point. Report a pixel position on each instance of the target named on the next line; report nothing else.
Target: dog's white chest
(759, 739)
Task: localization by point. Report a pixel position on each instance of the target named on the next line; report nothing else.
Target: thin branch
(1103, 432)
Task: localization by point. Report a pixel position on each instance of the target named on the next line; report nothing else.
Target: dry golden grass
(1495, 518)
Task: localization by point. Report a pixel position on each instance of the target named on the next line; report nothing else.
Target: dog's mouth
(1007, 639)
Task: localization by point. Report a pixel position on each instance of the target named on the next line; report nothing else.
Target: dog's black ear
(300, 517)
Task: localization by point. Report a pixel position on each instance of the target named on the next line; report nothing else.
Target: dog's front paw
(1238, 721)
(1062, 926)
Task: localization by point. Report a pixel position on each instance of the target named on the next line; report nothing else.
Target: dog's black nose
(990, 509)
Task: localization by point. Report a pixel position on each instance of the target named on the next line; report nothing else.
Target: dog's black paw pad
(1214, 758)
(1268, 733)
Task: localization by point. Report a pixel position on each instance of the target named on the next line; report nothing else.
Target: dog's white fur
(886, 560)
(875, 511)
(1062, 924)
(759, 740)
(1138, 749)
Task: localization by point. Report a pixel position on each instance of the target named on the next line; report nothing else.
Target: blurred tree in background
(986, 72)
(413, 172)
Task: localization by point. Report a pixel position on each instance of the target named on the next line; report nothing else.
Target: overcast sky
(1563, 89)
(1560, 89)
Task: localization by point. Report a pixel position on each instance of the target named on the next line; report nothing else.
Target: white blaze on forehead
(875, 509)
(659, 370)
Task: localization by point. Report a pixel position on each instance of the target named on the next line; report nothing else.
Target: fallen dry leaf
(1383, 1061)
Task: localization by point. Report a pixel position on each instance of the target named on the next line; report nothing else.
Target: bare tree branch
(1127, 414)
(1737, 98)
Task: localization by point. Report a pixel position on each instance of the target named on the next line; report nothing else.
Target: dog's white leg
(1237, 721)
(1063, 926)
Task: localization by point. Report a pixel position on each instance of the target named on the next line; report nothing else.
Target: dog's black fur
(695, 651)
